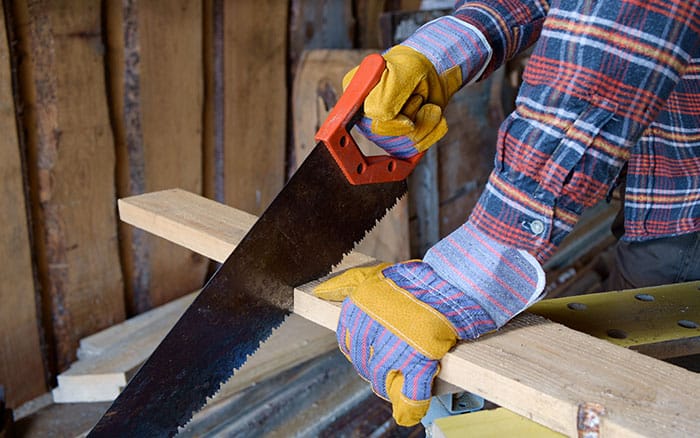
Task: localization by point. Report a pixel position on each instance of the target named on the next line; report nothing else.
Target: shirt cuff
(516, 218)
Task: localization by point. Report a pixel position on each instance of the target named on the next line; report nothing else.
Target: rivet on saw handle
(335, 132)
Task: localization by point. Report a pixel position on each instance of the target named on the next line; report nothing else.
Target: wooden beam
(21, 366)
(255, 101)
(536, 368)
(71, 162)
(156, 86)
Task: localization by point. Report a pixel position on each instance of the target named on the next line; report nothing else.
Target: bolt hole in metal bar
(644, 297)
(634, 318)
(577, 306)
(685, 323)
(617, 334)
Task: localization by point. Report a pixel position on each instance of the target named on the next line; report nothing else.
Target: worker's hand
(403, 114)
(398, 321)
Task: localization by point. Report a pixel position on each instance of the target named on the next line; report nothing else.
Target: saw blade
(317, 218)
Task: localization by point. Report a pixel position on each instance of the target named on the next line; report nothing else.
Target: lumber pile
(536, 368)
(108, 359)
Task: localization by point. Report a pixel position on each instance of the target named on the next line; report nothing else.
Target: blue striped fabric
(399, 146)
(375, 351)
(448, 42)
(501, 280)
(469, 318)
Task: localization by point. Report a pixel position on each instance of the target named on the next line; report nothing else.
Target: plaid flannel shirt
(609, 83)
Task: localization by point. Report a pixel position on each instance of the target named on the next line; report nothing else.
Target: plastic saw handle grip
(335, 132)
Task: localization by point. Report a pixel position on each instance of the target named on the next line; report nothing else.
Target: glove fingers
(414, 103)
(341, 286)
(403, 123)
(410, 393)
(430, 126)
(390, 95)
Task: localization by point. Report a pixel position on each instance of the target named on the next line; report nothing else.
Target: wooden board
(71, 168)
(109, 358)
(21, 367)
(156, 87)
(534, 367)
(317, 86)
(255, 102)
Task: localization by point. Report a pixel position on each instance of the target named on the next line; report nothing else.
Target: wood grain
(71, 168)
(255, 102)
(21, 367)
(156, 87)
(536, 368)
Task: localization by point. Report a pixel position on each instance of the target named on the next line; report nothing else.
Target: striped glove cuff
(449, 41)
(503, 280)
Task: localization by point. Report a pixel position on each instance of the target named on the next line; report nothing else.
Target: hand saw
(335, 197)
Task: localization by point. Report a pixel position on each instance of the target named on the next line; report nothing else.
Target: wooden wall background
(106, 99)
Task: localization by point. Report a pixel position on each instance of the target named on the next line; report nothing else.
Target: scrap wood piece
(534, 367)
(111, 357)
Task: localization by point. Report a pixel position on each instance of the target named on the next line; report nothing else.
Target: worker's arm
(598, 77)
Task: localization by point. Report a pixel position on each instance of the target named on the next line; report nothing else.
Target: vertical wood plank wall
(115, 98)
(19, 328)
(255, 101)
(156, 87)
(71, 163)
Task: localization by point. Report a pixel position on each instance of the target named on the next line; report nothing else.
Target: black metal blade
(316, 219)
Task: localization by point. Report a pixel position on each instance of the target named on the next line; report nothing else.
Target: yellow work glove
(398, 321)
(393, 340)
(404, 112)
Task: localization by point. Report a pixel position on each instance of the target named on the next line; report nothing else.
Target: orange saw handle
(335, 132)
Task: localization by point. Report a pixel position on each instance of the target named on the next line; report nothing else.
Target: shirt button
(537, 227)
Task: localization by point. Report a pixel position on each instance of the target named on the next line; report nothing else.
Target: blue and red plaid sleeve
(599, 75)
(509, 26)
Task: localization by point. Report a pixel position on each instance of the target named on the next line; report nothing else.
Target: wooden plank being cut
(21, 367)
(536, 368)
(156, 92)
(71, 162)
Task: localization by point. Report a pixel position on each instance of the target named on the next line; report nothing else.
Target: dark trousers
(655, 262)
(652, 262)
